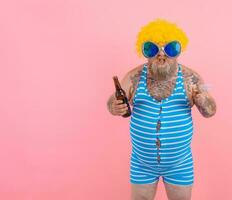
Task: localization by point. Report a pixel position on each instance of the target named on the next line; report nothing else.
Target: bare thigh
(143, 191)
(176, 192)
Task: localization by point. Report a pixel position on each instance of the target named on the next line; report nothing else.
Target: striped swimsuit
(161, 135)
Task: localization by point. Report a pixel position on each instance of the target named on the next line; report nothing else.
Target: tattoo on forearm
(201, 98)
(206, 104)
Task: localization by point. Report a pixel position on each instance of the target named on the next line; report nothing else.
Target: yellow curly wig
(160, 31)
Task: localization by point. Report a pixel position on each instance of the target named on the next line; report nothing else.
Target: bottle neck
(117, 84)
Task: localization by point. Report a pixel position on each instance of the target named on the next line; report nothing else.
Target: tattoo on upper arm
(195, 79)
(134, 80)
(201, 98)
(189, 88)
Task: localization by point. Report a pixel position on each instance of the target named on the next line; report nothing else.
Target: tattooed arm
(201, 97)
(129, 84)
(134, 78)
(126, 85)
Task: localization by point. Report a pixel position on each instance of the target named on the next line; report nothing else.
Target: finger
(120, 112)
(119, 102)
(122, 109)
(123, 113)
(116, 102)
(119, 106)
(124, 105)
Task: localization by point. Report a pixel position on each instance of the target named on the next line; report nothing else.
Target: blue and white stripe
(175, 134)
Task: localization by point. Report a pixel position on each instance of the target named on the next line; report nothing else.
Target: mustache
(162, 57)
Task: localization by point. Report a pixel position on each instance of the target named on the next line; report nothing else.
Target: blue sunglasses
(171, 49)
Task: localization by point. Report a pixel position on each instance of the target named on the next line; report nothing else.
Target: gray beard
(164, 72)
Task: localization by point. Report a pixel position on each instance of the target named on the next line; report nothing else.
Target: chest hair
(160, 89)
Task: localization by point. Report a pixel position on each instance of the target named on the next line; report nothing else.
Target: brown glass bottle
(120, 94)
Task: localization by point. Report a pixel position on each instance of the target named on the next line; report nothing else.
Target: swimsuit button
(158, 143)
(158, 125)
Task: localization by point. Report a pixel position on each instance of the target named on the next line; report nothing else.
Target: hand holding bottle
(121, 97)
(117, 107)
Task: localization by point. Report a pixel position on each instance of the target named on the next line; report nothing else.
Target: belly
(175, 137)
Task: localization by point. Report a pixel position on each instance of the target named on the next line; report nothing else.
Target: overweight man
(162, 93)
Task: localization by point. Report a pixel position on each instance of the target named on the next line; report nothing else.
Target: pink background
(57, 59)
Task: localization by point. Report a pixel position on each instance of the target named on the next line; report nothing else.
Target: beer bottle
(120, 94)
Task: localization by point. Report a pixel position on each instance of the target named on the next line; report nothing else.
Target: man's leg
(143, 191)
(179, 180)
(177, 192)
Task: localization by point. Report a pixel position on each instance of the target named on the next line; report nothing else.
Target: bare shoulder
(136, 70)
(135, 73)
(134, 76)
(191, 75)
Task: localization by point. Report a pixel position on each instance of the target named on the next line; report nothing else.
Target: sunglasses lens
(150, 49)
(173, 49)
